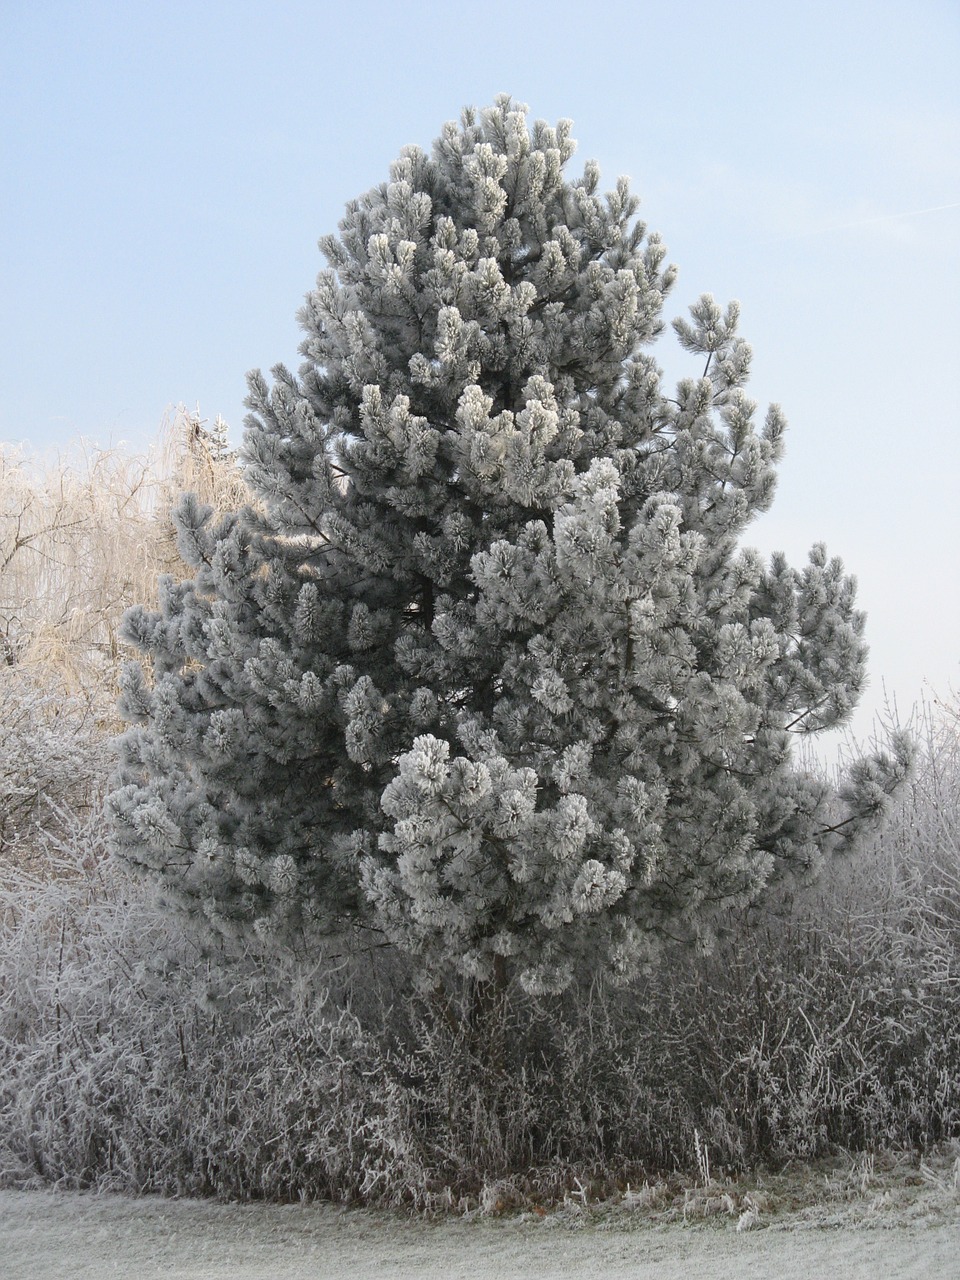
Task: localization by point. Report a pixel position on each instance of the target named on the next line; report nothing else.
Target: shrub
(133, 1057)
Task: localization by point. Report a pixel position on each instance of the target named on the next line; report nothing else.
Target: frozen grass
(890, 1228)
(132, 1059)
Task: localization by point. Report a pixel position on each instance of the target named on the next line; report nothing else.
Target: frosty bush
(130, 1061)
(133, 1058)
(487, 672)
(54, 760)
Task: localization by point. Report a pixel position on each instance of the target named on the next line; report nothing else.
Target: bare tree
(85, 534)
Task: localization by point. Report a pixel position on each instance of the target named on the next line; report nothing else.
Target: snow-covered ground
(49, 1235)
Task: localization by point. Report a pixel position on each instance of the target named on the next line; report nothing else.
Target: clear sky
(168, 167)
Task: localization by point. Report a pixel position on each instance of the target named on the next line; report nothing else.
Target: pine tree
(484, 668)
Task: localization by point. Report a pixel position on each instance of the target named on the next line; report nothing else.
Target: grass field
(840, 1219)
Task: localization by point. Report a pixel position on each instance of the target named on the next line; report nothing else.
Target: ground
(855, 1219)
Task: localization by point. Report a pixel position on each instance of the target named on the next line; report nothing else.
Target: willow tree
(484, 666)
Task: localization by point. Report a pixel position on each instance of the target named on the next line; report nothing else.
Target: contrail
(866, 222)
(912, 213)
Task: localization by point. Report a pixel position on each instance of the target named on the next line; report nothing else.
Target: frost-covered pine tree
(482, 666)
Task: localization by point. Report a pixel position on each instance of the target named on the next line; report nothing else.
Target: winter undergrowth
(133, 1057)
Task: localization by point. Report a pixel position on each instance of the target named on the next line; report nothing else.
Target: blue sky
(169, 167)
